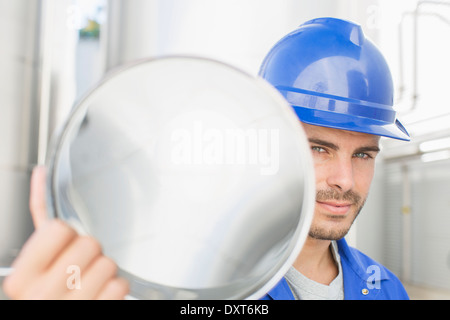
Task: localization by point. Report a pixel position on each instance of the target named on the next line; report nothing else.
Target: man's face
(344, 164)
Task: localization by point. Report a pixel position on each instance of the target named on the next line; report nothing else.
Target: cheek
(363, 176)
(321, 174)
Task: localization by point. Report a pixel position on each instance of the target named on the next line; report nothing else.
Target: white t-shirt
(306, 289)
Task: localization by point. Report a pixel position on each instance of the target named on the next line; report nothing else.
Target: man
(341, 89)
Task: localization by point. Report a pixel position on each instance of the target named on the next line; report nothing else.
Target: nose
(340, 174)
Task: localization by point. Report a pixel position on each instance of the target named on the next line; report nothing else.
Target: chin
(327, 226)
(321, 234)
(334, 230)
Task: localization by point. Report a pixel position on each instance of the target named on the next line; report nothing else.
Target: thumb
(38, 206)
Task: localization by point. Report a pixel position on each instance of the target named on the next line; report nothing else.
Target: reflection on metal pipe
(19, 123)
(46, 19)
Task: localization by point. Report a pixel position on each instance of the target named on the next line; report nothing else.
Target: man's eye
(362, 155)
(318, 149)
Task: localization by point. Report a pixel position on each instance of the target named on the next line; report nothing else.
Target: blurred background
(54, 51)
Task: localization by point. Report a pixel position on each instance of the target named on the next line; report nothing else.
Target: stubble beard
(319, 233)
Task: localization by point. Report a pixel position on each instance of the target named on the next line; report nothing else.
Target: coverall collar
(358, 272)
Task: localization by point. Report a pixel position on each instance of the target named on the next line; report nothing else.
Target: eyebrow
(331, 145)
(368, 149)
(324, 143)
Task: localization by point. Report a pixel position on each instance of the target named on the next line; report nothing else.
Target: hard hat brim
(347, 122)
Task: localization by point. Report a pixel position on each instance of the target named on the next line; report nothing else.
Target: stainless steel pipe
(195, 177)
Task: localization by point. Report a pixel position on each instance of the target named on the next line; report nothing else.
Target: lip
(337, 208)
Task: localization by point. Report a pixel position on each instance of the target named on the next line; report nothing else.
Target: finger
(115, 289)
(60, 276)
(91, 281)
(38, 206)
(37, 255)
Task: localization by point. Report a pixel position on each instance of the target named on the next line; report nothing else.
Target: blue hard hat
(333, 76)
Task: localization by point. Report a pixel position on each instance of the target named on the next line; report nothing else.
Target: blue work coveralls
(364, 279)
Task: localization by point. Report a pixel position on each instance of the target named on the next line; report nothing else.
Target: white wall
(233, 31)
